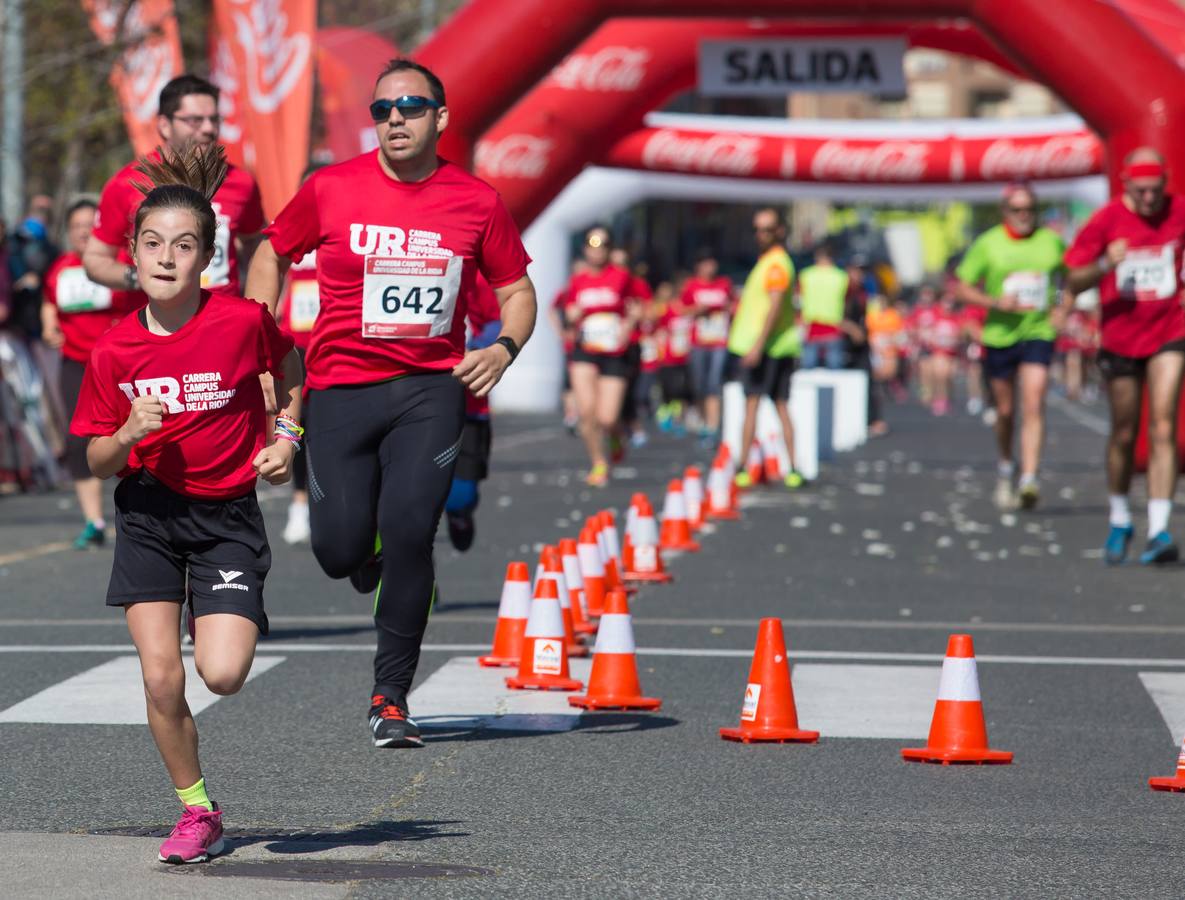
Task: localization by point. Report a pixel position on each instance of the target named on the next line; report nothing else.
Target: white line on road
(112, 694)
(525, 438)
(866, 701)
(1087, 420)
(34, 552)
(1167, 690)
(688, 652)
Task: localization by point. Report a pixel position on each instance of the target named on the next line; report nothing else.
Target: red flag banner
(225, 76)
(271, 42)
(152, 59)
(348, 62)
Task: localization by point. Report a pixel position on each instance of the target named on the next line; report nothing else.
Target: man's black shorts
(161, 535)
(607, 364)
(473, 460)
(1113, 365)
(769, 378)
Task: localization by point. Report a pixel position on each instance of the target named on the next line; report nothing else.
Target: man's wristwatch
(510, 345)
(1104, 264)
(131, 278)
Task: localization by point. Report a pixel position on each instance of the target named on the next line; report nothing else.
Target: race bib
(77, 293)
(713, 328)
(304, 299)
(1147, 273)
(601, 333)
(1031, 289)
(409, 298)
(680, 342)
(217, 274)
(649, 350)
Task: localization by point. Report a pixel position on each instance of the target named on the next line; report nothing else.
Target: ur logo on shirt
(388, 240)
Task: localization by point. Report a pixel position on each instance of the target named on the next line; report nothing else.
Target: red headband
(1143, 170)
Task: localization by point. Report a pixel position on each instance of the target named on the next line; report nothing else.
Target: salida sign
(746, 68)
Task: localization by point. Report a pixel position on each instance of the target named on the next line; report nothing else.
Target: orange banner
(225, 76)
(151, 60)
(348, 62)
(271, 43)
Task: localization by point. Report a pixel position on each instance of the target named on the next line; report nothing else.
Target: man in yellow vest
(822, 290)
(763, 340)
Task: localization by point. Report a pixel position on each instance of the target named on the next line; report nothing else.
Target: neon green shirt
(1028, 269)
(823, 290)
(773, 272)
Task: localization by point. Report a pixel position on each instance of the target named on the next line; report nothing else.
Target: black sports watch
(510, 345)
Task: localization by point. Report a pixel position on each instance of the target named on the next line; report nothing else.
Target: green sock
(196, 795)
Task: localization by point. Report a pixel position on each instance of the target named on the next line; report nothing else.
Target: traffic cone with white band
(772, 459)
(958, 733)
(676, 530)
(693, 494)
(544, 662)
(768, 714)
(646, 562)
(513, 609)
(720, 488)
(571, 562)
(553, 567)
(755, 465)
(592, 570)
(611, 551)
(1172, 783)
(613, 682)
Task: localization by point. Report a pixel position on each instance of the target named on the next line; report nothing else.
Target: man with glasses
(188, 113)
(1131, 249)
(1013, 270)
(400, 236)
(763, 339)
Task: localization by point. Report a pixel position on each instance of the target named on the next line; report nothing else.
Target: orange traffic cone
(768, 712)
(571, 562)
(1172, 783)
(553, 568)
(958, 733)
(646, 563)
(676, 530)
(592, 570)
(720, 491)
(544, 663)
(756, 463)
(613, 683)
(693, 493)
(610, 551)
(512, 618)
(773, 461)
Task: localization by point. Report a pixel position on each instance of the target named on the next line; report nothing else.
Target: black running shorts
(161, 535)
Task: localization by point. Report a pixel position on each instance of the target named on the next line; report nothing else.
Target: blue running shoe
(1119, 538)
(1160, 550)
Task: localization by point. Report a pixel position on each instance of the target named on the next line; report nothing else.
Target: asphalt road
(871, 568)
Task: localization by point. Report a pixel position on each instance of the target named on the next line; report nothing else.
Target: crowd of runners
(392, 295)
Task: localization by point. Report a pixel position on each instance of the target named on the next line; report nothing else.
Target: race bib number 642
(409, 298)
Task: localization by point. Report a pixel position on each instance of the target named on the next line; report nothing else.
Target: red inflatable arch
(1093, 55)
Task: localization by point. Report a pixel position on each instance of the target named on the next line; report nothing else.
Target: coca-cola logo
(889, 161)
(1064, 156)
(608, 69)
(718, 154)
(513, 156)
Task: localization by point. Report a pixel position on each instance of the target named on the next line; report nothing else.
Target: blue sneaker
(1160, 550)
(1119, 538)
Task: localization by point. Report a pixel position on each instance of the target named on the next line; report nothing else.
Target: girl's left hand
(274, 463)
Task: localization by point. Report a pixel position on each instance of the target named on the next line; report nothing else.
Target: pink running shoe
(195, 838)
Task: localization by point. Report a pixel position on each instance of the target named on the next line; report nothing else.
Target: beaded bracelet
(288, 430)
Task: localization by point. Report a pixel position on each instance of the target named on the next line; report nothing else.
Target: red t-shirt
(1141, 298)
(483, 310)
(236, 205)
(944, 331)
(397, 265)
(600, 298)
(207, 376)
(85, 309)
(677, 326)
(558, 304)
(714, 299)
(301, 301)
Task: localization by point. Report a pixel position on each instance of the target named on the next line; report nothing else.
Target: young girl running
(172, 403)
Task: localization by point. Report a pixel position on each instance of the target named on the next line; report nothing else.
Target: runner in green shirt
(1014, 270)
(763, 340)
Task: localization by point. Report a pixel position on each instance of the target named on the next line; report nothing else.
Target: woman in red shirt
(603, 309)
(74, 313)
(172, 403)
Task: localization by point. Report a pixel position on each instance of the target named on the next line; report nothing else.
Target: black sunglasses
(1019, 210)
(410, 107)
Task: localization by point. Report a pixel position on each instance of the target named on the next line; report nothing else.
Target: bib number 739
(404, 297)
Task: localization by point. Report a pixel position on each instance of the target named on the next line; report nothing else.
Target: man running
(188, 113)
(1132, 250)
(1013, 270)
(823, 290)
(400, 235)
(763, 338)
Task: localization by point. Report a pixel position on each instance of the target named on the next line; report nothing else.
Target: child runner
(172, 403)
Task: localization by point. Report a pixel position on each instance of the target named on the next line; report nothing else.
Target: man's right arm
(265, 277)
(103, 266)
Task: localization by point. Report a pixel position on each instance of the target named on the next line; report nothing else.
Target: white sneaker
(297, 529)
(989, 417)
(974, 406)
(1003, 496)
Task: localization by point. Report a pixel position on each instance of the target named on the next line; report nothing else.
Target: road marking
(866, 701)
(112, 694)
(1167, 690)
(463, 695)
(525, 438)
(1075, 412)
(34, 552)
